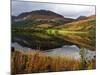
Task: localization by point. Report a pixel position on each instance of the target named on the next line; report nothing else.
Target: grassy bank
(37, 61)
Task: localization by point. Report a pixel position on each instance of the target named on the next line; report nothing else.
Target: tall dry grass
(36, 62)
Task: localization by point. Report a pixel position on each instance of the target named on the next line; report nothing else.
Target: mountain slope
(38, 14)
(81, 25)
(39, 17)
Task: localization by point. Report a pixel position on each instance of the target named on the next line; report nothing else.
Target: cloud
(66, 10)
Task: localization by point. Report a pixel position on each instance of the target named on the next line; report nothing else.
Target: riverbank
(37, 61)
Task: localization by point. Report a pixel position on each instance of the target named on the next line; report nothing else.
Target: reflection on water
(19, 47)
(45, 41)
(39, 41)
(83, 40)
(71, 51)
(66, 50)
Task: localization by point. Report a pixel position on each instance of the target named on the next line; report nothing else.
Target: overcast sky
(72, 11)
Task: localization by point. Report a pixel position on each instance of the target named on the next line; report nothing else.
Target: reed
(37, 61)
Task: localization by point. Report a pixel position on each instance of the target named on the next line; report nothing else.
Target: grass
(37, 61)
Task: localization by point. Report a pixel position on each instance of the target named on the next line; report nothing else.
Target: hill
(39, 17)
(81, 18)
(80, 25)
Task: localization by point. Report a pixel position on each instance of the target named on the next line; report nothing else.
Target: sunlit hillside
(88, 24)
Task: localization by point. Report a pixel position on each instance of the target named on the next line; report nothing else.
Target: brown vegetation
(37, 61)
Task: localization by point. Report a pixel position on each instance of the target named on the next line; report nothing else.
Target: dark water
(46, 41)
(39, 41)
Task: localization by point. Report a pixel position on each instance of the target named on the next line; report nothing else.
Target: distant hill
(43, 14)
(81, 18)
(40, 17)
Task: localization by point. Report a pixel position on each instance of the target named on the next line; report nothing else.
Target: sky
(68, 11)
